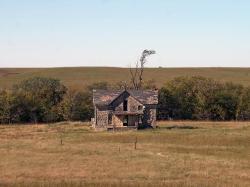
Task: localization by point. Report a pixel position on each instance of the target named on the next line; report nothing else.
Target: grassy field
(79, 77)
(176, 154)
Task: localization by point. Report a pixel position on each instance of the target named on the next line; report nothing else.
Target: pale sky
(184, 33)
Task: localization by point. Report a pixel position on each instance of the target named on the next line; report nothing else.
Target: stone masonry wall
(149, 117)
(101, 119)
(117, 121)
(153, 117)
(132, 104)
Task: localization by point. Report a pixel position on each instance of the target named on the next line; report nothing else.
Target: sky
(184, 33)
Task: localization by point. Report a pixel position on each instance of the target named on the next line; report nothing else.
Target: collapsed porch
(125, 119)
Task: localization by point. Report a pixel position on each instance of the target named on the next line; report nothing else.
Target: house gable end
(119, 100)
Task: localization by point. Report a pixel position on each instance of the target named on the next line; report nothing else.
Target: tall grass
(209, 154)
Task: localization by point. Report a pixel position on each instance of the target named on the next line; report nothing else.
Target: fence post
(136, 142)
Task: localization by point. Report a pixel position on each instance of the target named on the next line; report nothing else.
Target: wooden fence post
(136, 142)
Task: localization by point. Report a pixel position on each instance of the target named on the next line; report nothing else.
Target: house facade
(124, 109)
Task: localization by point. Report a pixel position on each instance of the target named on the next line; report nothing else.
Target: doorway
(125, 121)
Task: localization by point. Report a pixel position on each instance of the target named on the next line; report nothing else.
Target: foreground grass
(176, 154)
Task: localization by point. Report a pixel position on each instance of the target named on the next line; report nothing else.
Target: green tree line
(199, 98)
(47, 100)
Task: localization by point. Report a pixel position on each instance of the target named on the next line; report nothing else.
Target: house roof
(105, 97)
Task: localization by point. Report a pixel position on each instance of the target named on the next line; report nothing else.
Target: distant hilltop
(79, 77)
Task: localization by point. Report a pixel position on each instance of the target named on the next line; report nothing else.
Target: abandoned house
(124, 109)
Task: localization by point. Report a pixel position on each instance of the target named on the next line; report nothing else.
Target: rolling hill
(79, 77)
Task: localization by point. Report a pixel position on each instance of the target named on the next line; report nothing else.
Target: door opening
(125, 121)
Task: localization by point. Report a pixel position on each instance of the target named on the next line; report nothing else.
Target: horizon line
(121, 67)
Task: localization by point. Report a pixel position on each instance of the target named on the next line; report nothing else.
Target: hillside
(79, 77)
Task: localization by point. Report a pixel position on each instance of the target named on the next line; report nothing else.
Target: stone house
(124, 109)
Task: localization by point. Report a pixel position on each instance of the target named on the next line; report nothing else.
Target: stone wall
(153, 117)
(101, 118)
(132, 104)
(117, 121)
(149, 117)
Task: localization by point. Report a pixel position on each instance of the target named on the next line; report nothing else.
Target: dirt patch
(179, 127)
(9, 74)
(5, 73)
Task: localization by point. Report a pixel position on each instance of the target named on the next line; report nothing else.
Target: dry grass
(79, 77)
(176, 154)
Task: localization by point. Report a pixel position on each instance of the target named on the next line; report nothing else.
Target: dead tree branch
(137, 73)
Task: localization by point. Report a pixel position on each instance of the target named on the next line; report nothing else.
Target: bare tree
(137, 72)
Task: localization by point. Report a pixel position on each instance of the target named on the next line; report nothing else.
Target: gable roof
(105, 97)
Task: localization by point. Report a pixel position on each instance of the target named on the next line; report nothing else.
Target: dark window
(110, 119)
(125, 121)
(125, 105)
(139, 107)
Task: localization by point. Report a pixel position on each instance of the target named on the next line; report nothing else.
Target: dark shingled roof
(105, 97)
